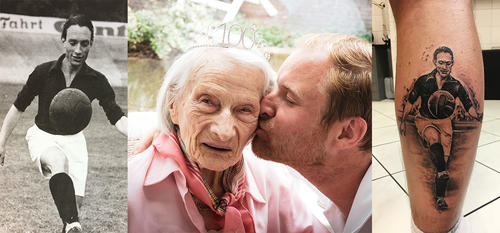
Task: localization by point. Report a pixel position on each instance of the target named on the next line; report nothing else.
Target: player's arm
(113, 111)
(473, 113)
(407, 107)
(423, 26)
(465, 97)
(122, 125)
(9, 123)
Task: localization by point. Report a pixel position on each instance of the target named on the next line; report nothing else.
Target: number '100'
(241, 40)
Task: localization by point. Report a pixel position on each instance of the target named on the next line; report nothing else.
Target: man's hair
(442, 49)
(348, 82)
(80, 20)
(185, 67)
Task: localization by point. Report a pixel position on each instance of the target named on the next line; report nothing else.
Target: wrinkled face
(218, 112)
(77, 44)
(289, 128)
(443, 63)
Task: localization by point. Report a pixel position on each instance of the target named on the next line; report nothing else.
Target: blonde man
(318, 121)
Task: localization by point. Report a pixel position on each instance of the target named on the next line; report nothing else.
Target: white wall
(486, 15)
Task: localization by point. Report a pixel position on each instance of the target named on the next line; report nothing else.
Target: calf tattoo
(440, 111)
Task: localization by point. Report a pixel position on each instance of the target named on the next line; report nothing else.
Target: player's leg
(432, 135)
(53, 162)
(79, 202)
(422, 27)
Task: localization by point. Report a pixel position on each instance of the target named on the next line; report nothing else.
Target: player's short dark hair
(80, 20)
(443, 49)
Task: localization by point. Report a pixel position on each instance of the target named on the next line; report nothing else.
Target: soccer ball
(70, 111)
(441, 104)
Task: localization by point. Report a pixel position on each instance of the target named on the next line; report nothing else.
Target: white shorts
(73, 146)
(443, 126)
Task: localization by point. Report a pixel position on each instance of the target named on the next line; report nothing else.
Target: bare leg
(437, 40)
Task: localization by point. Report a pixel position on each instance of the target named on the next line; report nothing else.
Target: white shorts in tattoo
(73, 146)
(443, 126)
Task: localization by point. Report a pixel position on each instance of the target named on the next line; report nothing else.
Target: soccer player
(50, 151)
(438, 91)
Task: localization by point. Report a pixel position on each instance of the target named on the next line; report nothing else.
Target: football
(441, 104)
(70, 111)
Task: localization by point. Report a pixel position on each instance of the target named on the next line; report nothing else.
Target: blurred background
(487, 18)
(160, 30)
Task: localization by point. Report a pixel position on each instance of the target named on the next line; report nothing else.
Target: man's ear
(173, 113)
(347, 133)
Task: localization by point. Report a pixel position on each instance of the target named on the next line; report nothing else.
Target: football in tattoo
(438, 111)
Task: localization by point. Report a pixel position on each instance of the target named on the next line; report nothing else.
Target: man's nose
(78, 49)
(223, 126)
(267, 107)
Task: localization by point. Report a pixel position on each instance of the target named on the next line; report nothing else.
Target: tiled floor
(391, 210)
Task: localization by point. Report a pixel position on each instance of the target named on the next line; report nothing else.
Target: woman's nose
(223, 126)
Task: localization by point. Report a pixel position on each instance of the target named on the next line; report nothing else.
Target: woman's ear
(347, 133)
(173, 113)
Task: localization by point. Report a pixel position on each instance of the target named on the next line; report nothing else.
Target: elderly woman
(194, 177)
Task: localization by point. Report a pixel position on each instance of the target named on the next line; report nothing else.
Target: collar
(361, 209)
(252, 187)
(162, 166)
(85, 69)
(433, 75)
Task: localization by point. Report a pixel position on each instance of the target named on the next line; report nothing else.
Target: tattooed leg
(439, 73)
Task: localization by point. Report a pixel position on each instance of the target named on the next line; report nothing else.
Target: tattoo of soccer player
(438, 113)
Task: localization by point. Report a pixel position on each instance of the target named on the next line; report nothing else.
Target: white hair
(182, 70)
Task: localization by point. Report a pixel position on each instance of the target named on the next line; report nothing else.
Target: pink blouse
(159, 200)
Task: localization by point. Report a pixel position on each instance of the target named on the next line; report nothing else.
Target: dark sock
(441, 184)
(437, 154)
(63, 193)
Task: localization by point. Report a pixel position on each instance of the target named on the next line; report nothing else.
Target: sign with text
(51, 25)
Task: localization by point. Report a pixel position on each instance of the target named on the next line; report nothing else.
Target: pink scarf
(232, 215)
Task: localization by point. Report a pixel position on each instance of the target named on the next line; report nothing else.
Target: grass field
(26, 204)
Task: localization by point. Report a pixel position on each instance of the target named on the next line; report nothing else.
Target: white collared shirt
(360, 215)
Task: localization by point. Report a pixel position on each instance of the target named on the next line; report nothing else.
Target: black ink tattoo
(438, 118)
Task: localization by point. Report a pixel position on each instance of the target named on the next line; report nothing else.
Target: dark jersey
(426, 85)
(47, 80)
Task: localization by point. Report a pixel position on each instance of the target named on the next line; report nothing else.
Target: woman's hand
(145, 141)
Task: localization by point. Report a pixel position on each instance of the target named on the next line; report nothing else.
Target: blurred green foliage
(366, 35)
(274, 36)
(171, 30)
(142, 28)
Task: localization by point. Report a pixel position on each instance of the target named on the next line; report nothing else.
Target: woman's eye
(206, 101)
(246, 110)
